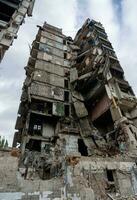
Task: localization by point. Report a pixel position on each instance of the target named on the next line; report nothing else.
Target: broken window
(35, 125)
(48, 108)
(41, 106)
(117, 73)
(110, 175)
(111, 180)
(66, 72)
(64, 42)
(67, 110)
(66, 83)
(65, 55)
(37, 106)
(46, 174)
(34, 145)
(37, 129)
(82, 148)
(66, 96)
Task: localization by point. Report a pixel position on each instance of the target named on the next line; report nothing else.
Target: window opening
(67, 110)
(34, 145)
(82, 148)
(66, 96)
(66, 83)
(110, 176)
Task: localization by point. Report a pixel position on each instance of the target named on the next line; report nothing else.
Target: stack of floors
(77, 119)
(44, 115)
(107, 96)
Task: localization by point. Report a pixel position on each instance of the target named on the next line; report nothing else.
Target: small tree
(3, 143)
(6, 144)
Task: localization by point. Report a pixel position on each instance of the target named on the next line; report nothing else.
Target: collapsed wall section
(108, 98)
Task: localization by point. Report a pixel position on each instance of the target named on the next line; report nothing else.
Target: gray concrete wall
(83, 180)
(8, 171)
(49, 67)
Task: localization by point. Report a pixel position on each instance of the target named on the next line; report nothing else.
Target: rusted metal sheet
(101, 107)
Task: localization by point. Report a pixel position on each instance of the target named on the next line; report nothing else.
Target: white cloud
(128, 41)
(59, 13)
(103, 11)
(82, 12)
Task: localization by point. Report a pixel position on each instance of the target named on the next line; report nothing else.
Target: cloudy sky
(117, 16)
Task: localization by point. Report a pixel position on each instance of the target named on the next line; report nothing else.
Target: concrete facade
(12, 15)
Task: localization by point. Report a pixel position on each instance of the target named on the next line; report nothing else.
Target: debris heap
(77, 120)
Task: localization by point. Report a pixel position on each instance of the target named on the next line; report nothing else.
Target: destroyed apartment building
(12, 14)
(77, 120)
